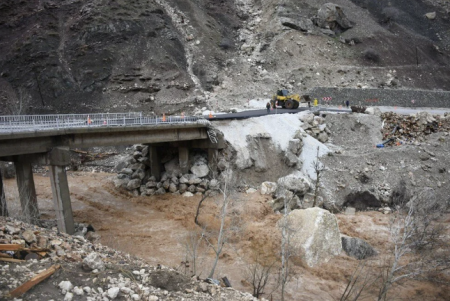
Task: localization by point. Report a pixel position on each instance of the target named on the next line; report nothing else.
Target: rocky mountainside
(174, 55)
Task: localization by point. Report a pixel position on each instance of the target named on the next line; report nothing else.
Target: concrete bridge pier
(3, 206)
(58, 159)
(155, 164)
(27, 190)
(183, 157)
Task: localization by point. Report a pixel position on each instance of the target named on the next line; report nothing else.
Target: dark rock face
(362, 200)
(88, 56)
(356, 247)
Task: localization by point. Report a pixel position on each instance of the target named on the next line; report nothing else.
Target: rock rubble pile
(316, 127)
(134, 175)
(91, 271)
(399, 129)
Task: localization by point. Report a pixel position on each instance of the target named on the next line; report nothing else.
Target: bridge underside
(39, 142)
(52, 148)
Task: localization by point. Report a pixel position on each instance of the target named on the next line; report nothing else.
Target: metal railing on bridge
(24, 123)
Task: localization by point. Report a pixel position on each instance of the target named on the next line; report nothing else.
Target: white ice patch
(257, 103)
(309, 153)
(281, 128)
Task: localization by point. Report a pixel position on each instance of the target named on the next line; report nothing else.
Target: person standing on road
(347, 103)
(268, 107)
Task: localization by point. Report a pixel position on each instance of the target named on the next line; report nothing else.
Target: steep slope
(172, 55)
(100, 55)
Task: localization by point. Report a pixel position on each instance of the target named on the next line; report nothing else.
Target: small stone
(29, 236)
(350, 211)
(93, 261)
(68, 296)
(65, 286)
(187, 194)
(113, 292)
(431, 15)
(12, 230)
(78, 291)
(153, 298)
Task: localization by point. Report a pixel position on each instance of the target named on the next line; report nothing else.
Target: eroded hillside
(174, 55)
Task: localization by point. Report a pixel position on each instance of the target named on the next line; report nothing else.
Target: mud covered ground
(156, 229)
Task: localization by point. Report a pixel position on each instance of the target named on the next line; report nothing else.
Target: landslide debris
(400, 129)
(91, 271)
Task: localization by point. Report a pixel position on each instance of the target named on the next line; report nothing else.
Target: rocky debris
(431, 15)
(95, 272)
(300, 23)
(331, 16)
(357, 247)
(373, 111)
(412, 129)
(315, 235)
(293, 151)
(135, 176)
(296, 182)
(358, 109)
(308, 201)
(268, 187)
(315, 126)
(200, 167)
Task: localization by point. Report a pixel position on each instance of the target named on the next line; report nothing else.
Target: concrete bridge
(47, 139)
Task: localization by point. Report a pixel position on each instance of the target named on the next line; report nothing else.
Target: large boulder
(200, 169)
(173, 167)
(296, 182)
(295, 146)
(315, 235)
(357, 247)
(134, 184)
(332, 16)
(291, 159)
(302, 24)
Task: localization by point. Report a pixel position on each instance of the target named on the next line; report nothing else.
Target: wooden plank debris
(34, 281)
(11, 260)
(11, 247)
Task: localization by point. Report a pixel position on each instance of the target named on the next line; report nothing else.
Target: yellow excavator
(286, 100)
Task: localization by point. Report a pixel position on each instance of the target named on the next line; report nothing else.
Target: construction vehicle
(288, 101)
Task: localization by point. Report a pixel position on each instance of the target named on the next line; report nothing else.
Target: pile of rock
(412, 128)
(92, 271)
(291, 191)
(134, 175)
(316, 127)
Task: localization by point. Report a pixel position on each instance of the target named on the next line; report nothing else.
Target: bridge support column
(212, 157)
(27, 190)
(183, 157)
(155, 164)
(3, 207)
(58, 158)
